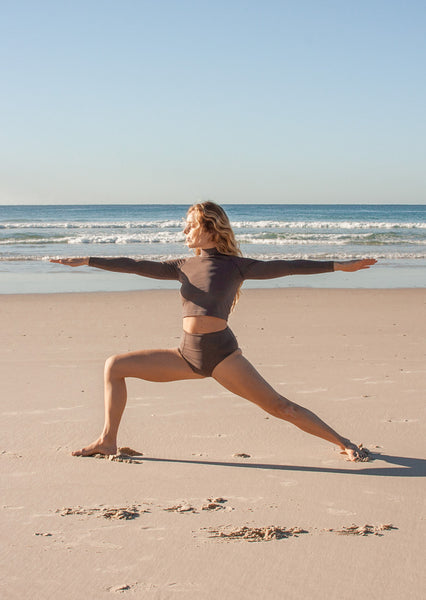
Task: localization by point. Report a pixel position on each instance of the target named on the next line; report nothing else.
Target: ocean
(29, 235)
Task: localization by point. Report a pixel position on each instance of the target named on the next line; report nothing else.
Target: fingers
(367, 263)
(61, 261)
(70, 262)
(357, 265)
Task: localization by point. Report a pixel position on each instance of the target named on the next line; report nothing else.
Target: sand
(218, 499)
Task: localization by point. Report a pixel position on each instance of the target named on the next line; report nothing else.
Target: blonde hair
(214, 220)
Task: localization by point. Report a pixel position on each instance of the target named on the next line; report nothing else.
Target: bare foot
(100, 446)
(355, 453)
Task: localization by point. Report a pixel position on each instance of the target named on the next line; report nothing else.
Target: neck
(209, 251)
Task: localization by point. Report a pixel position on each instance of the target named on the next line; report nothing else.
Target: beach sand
(225, 501)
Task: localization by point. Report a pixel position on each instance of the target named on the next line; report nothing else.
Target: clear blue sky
(299, 101)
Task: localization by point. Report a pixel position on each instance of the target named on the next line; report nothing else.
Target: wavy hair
(213, 219)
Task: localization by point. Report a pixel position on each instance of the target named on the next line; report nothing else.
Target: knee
(112, 367)
(283, 409)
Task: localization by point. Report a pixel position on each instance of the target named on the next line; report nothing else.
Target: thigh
(239, 376)
(153, 365)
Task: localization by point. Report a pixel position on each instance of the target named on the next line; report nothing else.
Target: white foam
(94, 225)
(172, 223)
(327, 225)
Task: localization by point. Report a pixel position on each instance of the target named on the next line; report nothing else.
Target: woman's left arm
(270, 269)
(354, 265)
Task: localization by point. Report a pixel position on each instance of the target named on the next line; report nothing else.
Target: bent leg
(150, 365)
(239, 376)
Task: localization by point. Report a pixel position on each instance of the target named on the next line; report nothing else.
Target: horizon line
(221, 204)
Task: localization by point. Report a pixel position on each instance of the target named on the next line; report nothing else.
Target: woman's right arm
(147, 268)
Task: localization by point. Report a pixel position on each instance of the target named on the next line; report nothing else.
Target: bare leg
(239, 376)
(151, 365)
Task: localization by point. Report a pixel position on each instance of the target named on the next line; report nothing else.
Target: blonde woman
(211, 281)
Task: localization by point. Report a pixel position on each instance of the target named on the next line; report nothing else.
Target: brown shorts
(204, 351)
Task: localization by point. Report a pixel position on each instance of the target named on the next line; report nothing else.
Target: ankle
(344, 443)
(108, 438)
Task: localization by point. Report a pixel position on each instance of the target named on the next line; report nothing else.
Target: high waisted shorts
(204, 351)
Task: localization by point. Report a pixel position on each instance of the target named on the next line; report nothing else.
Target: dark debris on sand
(364, 529)
(257, 534)
(127, 512)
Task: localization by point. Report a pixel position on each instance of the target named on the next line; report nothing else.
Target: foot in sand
(355, 453)
(100, 446)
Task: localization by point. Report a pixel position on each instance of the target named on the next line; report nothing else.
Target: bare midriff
(203, 324)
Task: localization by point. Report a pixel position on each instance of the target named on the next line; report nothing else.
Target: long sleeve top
(210, 281)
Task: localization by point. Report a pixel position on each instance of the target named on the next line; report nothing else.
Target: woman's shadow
(404, 466)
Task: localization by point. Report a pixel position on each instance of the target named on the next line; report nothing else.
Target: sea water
(30, 235)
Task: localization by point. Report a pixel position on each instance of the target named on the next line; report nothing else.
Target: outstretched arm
(270, 269)
(168, 269)
(354, 265)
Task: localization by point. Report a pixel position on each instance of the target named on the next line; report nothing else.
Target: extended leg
(151, 365)
(239, 376)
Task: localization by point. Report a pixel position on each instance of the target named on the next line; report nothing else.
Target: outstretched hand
(71, 262)
(354, 265)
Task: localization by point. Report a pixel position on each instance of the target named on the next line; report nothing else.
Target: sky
(238, 101)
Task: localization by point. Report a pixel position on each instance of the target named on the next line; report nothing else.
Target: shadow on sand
(405, 467)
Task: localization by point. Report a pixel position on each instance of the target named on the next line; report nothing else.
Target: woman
(210, 288)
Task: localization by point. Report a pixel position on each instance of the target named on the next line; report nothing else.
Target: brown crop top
(211, 280)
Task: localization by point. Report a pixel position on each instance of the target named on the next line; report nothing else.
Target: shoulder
(176, 262)
(241, 262)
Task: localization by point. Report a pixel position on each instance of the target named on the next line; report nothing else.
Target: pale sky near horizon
(297, 101)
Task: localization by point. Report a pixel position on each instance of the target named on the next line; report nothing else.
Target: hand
(354, 265)
(71, 262)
